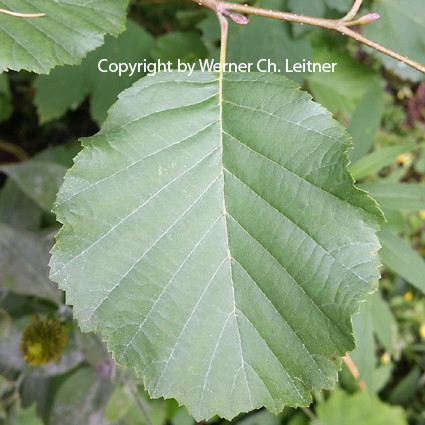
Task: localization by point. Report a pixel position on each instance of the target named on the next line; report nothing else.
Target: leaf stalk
(224, 25)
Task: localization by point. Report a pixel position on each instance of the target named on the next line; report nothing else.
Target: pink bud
(368, 19)
(237, 18)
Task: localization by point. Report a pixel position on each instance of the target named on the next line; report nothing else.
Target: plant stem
(138, 401)
(14, 150)
(224, 25)
(353, 11)
(311, 415)
(22, 15)
(354, 371)
(339, 25)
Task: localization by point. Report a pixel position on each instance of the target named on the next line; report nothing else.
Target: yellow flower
(408, 296)
(421, 214)
(405, 159)
(43, 341)
(404, 92)
(385, 358)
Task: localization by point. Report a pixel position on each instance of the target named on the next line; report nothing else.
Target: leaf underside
(212, 233)
(64, 35)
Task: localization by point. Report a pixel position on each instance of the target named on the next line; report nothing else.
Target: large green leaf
(64, 36)
(213, 234)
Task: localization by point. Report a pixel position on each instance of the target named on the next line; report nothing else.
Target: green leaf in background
(342, 90)
(182, 417)
(401, 27)
(10, 352)
(23, 263)
(396, 221)
(39, 180)
(74, 83)
(5, 326)
(211, 36)
(379, 159)
(28, 417)
(191, 241)
(17, 209)
(245, 45)
(397, 196)
(80, 397)
(364, 354)
(340, 5)
(155, 410)
(365, 121)
(183, 46)
(406, 389)
(358, 409)
(397, 255)
(119, 404)
(310, 8)
(263, 417)
(6, 107)
(384, 324)
(367, 326)
(299, 418)
(123, 408)
(64, 36)
(61, 154)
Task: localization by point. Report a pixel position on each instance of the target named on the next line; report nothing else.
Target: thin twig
(339, 25)
(14, 150)
(311, 415)
(137, 399)
(353, 11)
(22, 15)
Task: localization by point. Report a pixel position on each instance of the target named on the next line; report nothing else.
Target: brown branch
(342, 25)
(14, 150)
(22, 15)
